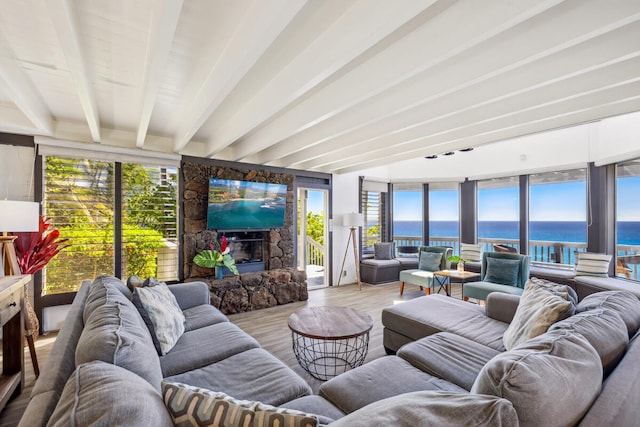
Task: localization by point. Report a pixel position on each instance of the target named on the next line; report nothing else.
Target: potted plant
(459, 260)
(217, 256)
(34, 250)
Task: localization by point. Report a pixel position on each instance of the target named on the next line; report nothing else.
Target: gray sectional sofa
(451, 368)
(77, 387)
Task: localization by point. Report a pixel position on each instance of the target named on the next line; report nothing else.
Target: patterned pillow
(469, 252)
(383, 250)
(165, 314)
(593, 264)
(193, 406)
(502, 271)
(430, 261)
(542, 304)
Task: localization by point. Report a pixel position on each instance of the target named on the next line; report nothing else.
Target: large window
(499, 212)
(374, 199)
(80, 199)
(557, 216)
(444, 215)
(628, 219)
(407, 214)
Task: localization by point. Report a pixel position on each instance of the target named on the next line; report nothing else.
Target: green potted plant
(217, 256)
(459, 260)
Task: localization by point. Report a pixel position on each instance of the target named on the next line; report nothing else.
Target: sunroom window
(407, 214)
(444, 215)
(628, 220)
(499, 213)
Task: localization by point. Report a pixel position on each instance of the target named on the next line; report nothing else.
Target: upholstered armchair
(500, 272)
(430, 259)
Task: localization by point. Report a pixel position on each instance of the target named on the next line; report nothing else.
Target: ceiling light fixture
(433, 156)
(464, 150)
(449, 153)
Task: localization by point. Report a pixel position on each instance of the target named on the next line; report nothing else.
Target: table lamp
(352, 220)
(15, 216)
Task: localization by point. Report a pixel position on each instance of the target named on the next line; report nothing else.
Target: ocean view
(552, 231)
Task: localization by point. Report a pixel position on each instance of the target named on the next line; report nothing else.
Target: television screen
(242, 205)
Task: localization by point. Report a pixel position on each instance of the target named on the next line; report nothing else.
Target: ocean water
(553, 231)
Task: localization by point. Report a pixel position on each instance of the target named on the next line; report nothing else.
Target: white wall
(16, 178)
(344, 199)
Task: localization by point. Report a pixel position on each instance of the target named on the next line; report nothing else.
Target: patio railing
(314, 251)
(627, 264)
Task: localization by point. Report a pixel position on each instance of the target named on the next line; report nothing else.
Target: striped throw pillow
(469, 252)
(193, 406)
(590, 264)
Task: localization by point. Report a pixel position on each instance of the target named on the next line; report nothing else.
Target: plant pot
(219, 273)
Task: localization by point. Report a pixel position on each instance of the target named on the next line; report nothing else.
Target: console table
(11, 303)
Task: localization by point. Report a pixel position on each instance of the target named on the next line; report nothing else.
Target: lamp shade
(18, 216)
(353, 219)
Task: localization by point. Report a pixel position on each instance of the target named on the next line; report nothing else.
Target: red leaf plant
(35, 249)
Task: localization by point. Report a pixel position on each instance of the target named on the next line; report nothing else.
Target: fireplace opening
(247, 250)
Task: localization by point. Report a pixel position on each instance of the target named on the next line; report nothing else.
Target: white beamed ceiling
(323, 85)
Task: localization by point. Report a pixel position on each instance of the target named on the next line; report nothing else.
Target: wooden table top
(330, 323)
(455, 274)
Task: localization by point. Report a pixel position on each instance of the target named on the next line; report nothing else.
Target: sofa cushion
(321, 407)
(434, 408)
(101, 394)
(604, 329)
(195, 406)
(429, 261)
(381, 378)
(470, 252)
(384, 250)
(97, 293)
(590, 264)
(427, 315)
(502, 271)
(202, 315)
(551, 380)
(253, 374)
(203, 346)
(115, 333)
(449, 356)
(624, 303)
(541, 305)
(164, 313)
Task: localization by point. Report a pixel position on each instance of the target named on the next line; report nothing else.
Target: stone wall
(253, 291)
(278, 243)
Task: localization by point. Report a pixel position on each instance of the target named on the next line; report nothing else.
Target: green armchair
(500, 272)
(423, 275)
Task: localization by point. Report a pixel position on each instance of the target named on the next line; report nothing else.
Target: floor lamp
(18, 217)
(352, 220)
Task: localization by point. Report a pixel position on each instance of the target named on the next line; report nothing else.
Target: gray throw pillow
(542, 304)
(165, 314)
(104, 395)
(502, 271)
(551, 380)
(429, 261)
(383, 250)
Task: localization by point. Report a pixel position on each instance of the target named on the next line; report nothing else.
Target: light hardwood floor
(269, 327)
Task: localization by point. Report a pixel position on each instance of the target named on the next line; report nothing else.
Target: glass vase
(460, 266)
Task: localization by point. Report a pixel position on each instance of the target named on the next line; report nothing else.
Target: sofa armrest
(502, 306)
(191, 294)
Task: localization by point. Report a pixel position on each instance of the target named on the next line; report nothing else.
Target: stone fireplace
(265, 258)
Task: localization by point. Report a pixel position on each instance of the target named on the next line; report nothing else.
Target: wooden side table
(11, 303)
(443, 278)
(329, 340)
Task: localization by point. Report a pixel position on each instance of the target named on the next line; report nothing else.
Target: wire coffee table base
(324, 359)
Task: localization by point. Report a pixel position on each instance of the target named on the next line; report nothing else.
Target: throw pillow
(541, 305)
(193, 406)
(102, 394)
(502, 271)
(165, 314)
(551, 380)
(134, 282)
(469, 252)
(147, 321)
(383, 250)
(593, 265)
(430, 261)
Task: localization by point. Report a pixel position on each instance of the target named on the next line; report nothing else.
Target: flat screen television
(244, 205)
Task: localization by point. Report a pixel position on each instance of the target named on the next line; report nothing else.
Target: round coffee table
(328, 341)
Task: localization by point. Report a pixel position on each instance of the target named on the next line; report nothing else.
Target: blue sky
(314, 201)
(549, 202)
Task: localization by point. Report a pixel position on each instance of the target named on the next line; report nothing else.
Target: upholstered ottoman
(376, 271)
